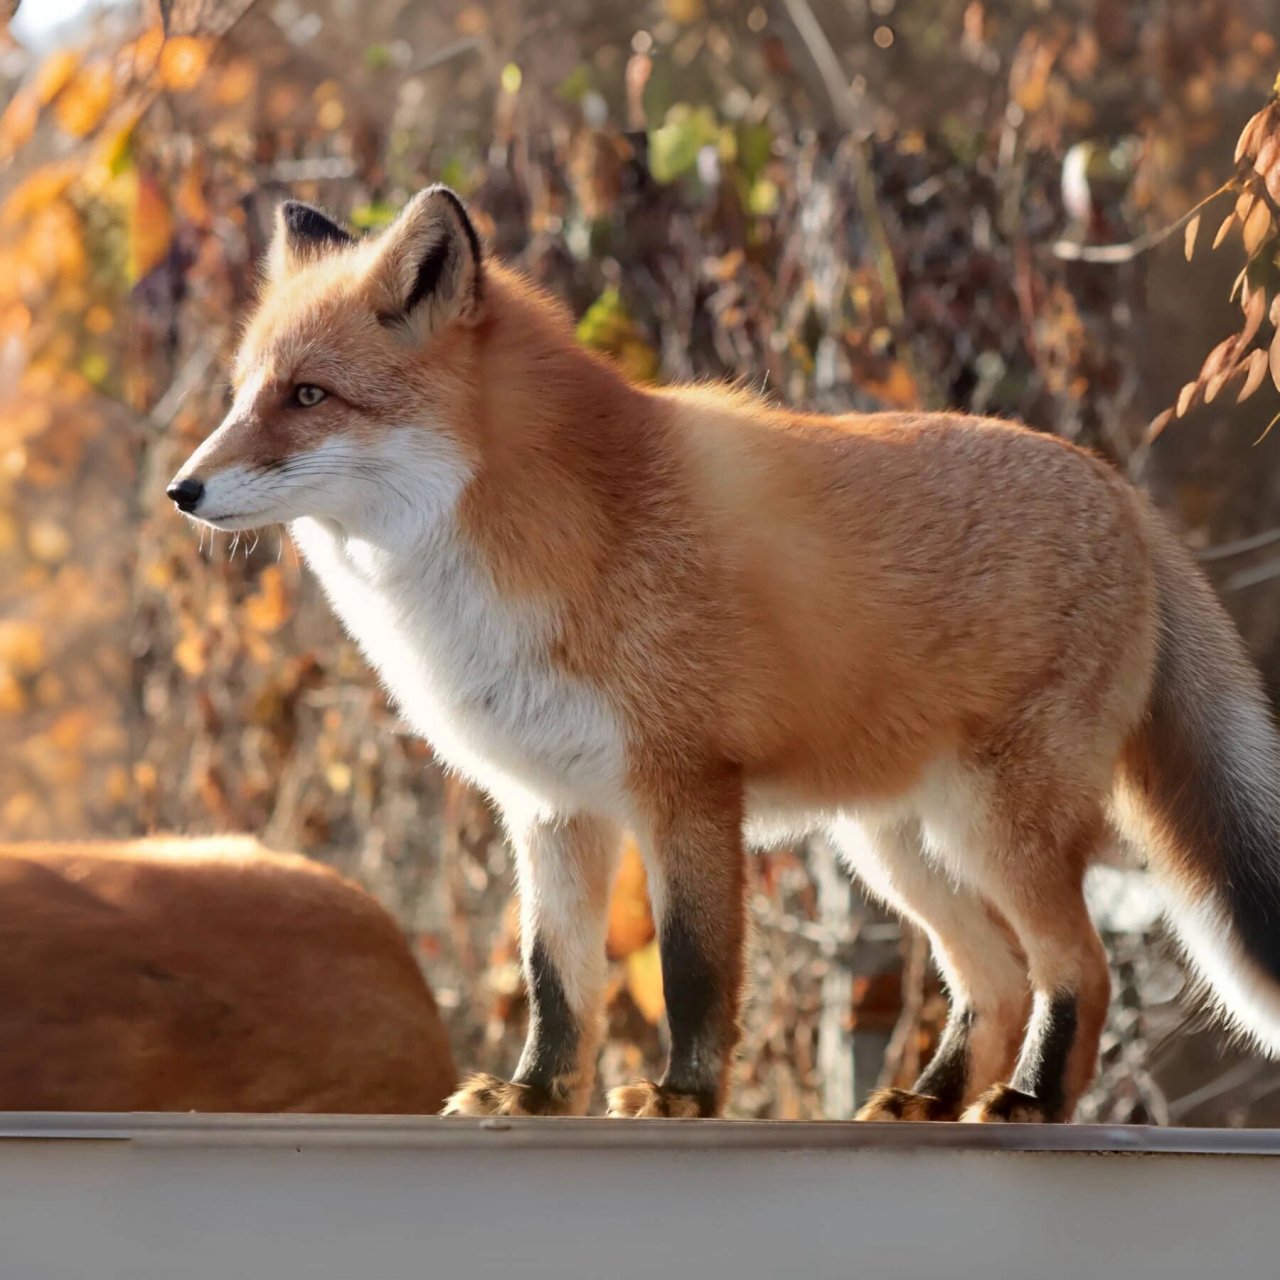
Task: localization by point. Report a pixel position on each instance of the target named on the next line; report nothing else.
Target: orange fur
(206, 975)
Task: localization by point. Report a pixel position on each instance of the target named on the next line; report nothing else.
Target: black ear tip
(305, 222)
(297, 214)
(460, 212)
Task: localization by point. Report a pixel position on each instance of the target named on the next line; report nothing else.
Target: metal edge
(525, 1133)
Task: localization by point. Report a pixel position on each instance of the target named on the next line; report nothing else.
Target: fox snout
(186, 492)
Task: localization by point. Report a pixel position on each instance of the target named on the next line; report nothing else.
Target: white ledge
(186, 1197)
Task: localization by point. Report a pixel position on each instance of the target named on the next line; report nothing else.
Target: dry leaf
(1256, 367)
(1272, 180)
(1257, 228)
(1249, 135)
(1244, 205)
(1267, 153)
(644, 981)
(1186, 396)
(1273, 357)
(1189, 242)
(1218, 357)
(1254, 310)
(1216, 383)
(1227, 223)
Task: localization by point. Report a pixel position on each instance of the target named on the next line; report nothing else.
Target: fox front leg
(697, 880)
(564, 871)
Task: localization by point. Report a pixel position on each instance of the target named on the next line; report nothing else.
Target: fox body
(963, 650)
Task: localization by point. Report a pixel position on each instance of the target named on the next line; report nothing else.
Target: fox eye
(305, 395)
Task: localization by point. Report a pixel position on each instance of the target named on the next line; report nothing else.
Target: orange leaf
(55, 74)
(150, 229)
(138, 58)
(235, 84)
(897, 389)
(268, 608)
(18, 122)
(630, 918)
(183, 61)
(22, 648)
(644, 981)
(1227, 223)
(83, 103)
(36, 191)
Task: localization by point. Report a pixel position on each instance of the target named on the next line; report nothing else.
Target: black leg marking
(947, 1075)
(1042, 1071)
(695, 995)
(550, 1054)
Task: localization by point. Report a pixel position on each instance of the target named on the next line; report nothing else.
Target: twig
(1241, 1074)
(189, 377)
(902, 1057)
(1112, 254)
(454, 50)
(1240, 547)
(1252, 577)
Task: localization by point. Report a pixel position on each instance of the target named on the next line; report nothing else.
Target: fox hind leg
(983, 968)
(1037, 884)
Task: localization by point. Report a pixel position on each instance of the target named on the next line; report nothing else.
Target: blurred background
(849, 203)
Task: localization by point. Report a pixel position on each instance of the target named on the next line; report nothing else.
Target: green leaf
(373, 216)
(674, 145)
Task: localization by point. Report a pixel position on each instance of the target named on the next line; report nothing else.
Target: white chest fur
(470, 671)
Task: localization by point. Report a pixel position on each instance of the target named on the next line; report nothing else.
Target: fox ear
(302, 235)
(429, 268)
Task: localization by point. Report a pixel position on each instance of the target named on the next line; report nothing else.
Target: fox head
(352, 377)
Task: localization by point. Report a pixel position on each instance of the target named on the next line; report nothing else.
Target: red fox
(962, 649)
(206, 975)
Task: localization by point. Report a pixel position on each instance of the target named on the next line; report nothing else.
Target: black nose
(187, 493)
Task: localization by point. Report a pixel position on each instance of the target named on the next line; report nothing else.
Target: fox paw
(646, 1099)
(1003, 1104)
(902, 1104)
(484, 1095)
